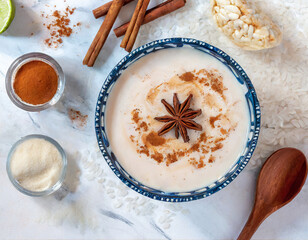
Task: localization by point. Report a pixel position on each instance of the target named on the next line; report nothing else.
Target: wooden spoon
(281, 179)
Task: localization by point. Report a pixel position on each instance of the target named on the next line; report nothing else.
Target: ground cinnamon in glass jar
(36, 82)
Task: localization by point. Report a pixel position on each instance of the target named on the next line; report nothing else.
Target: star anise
(180, 118)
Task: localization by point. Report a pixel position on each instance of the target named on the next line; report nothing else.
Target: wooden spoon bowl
(281, 179)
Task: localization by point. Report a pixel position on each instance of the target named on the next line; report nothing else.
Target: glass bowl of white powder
(36, 165)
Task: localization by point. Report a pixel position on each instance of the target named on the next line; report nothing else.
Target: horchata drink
(177, 120)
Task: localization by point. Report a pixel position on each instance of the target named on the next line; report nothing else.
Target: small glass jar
(17, 64)
(48, 191)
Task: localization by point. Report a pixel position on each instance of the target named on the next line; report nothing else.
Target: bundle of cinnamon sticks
(130, 29)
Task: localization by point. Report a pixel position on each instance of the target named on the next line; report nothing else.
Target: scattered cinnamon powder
(204, 151)
(144, 150)
(211, 159)
(77, 24)
(180, 153)
(201, 162)
(160, 149)
(187, 77)
(214, 119)
(144, 126)
(193, 162)
(158, 157)
(171, 158)
(197, 164)
(223, 131)
(195, 147)
(77, 118)
(136, 117)
(217, 140)
(213, 79)
(71, 11)
(202, 145)
(217, 147)
(155, 140)
(59, 26)
(217, 86)
(202, 137)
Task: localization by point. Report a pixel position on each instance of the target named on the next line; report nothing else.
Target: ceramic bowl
(252, 102)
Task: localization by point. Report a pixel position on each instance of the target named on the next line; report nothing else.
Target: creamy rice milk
(165, 162)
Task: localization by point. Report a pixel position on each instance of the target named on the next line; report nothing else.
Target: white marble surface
(97, 205)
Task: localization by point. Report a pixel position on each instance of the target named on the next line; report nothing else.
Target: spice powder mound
(36, 82)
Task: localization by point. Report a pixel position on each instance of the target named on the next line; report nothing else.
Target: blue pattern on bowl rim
(251, 97)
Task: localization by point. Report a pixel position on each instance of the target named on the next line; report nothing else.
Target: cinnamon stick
(102, 10)
(154, 13)
(134, 25)
(103, 33)
(131, 24)
(137, 26)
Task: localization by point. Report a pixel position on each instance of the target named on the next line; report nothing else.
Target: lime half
(7, 13)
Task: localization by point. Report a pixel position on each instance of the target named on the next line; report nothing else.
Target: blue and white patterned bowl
(252, 102)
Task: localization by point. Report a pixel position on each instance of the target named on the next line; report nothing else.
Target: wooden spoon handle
(255, 219)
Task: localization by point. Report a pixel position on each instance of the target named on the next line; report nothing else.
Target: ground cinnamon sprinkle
(187, 77)
(144, 126)
(155, 140)
(59, 26)
(180, 154)
(158, 157)
(144, 150)
(193, 162)
(201, 163)
(220, 139)
(161, 150)
(136, 117)
(217, 147)
(195, 147)
(214, 119)
(171, 158)
(211, 159)
(213, 79)
(77, 118)
(216, 84)
(217, 87)
(223, 131)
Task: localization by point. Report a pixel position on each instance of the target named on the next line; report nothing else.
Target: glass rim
(15, 66)
(53, 188)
